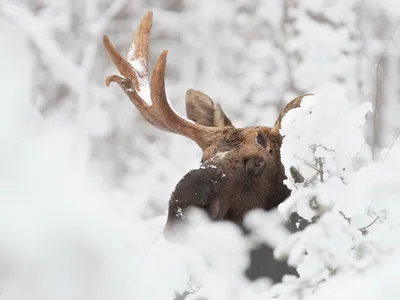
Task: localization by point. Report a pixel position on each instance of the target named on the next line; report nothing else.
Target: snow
(85, 183)
(130, 55)
(329, 126)
(326, 126)
(144, 93)
(139, 66)
(180, 213)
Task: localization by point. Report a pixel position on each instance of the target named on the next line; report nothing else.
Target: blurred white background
(252, 57)
(65, 135)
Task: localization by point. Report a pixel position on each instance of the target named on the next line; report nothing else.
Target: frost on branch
(323, 139)
(353, 213)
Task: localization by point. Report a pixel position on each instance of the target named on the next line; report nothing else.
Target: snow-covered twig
(363, 229)
(56, 59)
(98, 26)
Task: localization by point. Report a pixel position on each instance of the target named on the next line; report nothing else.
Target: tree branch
(56, 59)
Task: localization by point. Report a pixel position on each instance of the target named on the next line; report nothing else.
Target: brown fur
(248, 158)
(241, 167)
(225, 190)
(238, 192)
(242, 192)
(201, 109)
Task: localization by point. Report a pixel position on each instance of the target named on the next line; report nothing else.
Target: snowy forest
(85, 180)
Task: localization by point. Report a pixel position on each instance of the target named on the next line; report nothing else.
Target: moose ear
(201, 109)
(292, 104)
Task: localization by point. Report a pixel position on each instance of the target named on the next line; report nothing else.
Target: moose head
(241, 168)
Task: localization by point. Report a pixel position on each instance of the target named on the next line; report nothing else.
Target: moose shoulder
(241, 168)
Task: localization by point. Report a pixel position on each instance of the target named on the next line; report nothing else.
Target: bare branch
(363, 229)
(391, 146)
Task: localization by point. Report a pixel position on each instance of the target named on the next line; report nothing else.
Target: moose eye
(255, 165)
(258, 162)
(262, 140)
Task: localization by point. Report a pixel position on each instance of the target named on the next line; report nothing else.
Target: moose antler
(134, 83)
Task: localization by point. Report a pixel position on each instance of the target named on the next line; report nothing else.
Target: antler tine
(135, 84)
(139, 48)
(130, 83)
(120, 62)
(176, 124)
(134, 67)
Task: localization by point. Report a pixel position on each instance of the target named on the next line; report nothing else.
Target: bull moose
(240, 169)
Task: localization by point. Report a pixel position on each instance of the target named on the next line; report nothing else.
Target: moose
(240, 168)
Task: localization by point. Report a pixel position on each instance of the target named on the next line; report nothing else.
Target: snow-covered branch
(59, 62)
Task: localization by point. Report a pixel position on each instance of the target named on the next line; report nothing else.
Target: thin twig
(307, 163)
(321, 171)
(391, 146)
(369, 225)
